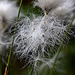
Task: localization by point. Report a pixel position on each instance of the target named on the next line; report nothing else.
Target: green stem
(14, 34)
(59, 49)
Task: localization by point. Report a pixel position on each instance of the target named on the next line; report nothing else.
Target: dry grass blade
(6, 71)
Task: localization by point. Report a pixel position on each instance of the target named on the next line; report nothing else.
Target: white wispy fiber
(66, 8)
(8, 13)
(74, 23)
(36, 40)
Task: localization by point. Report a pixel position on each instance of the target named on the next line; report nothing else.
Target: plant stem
(59, 49)
(14, 34)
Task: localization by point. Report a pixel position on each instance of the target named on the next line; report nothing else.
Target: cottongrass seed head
(47, 5)
(36, 40)
(8, 14)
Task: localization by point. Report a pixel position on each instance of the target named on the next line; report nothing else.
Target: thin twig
(59, 49)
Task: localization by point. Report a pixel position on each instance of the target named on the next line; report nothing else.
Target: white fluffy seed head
(61, 7)
(36, 39)
(8, 11)
(47, 5)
